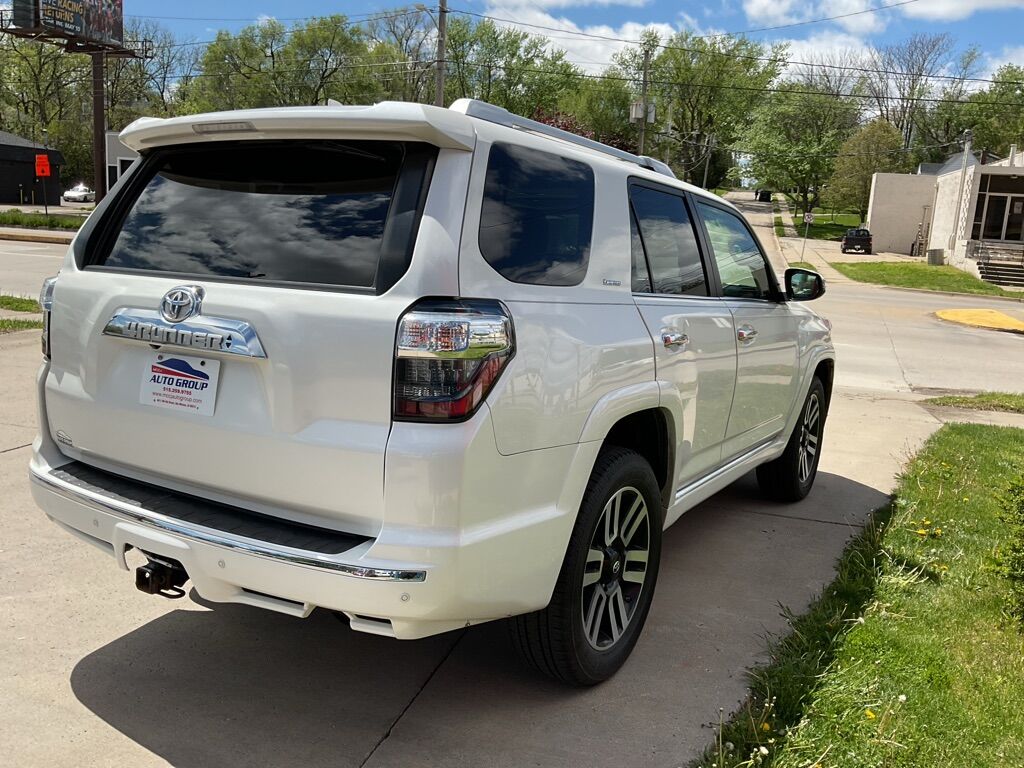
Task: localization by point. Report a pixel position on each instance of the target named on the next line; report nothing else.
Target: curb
(32, 237)
(928, 291)
(965, 324)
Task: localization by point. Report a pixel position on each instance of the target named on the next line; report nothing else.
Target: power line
(812, 21)
(733, 55)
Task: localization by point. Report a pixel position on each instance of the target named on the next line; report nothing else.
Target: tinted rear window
(537, 216)
(264, 211)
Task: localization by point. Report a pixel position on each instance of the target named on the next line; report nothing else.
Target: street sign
(808, 218)
(42, 166)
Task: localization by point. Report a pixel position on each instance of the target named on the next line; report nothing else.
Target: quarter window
(741, 265)
(669, 242)
(537, 216)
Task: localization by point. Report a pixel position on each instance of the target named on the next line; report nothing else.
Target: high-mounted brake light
(46, 302)
(448, 355)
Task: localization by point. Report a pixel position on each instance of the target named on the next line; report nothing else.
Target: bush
(1011, 559)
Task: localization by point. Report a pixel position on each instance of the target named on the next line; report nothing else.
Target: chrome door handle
(674, 339)
(746, 333)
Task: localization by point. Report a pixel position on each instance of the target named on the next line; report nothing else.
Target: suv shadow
(239, 685)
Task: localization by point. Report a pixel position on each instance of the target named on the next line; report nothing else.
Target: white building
(973, 213)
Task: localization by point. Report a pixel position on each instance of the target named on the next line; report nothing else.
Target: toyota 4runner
(422, 367)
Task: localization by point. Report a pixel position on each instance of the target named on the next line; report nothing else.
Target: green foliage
(827, 226)
(793, 138)
(997, 112)
(875, 148)
(18, 304)
(1009, 402)
(1011, 557)
(908, 645)
(16, 218)
(10, 325)
(920, 276)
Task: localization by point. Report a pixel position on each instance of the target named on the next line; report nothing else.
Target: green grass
(803, 265)
(910, 657)
(9, 325)
(19, 304)
(16, 218)
(922, 276)
(1010, 402)
(824, 228)
(780, 229)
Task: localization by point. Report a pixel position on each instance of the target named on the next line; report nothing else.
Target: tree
(795, 135)
(506, 67)
(903, 73)
(875, 148)
(997, 113)
(702, 88)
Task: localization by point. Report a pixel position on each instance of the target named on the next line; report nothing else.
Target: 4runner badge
(191, 331)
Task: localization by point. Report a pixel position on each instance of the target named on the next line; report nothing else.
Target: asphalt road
(93, 672)
(24, 266)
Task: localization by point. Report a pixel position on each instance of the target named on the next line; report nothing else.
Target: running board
(690, 495)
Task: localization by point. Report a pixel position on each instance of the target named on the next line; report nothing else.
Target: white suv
(423, 367)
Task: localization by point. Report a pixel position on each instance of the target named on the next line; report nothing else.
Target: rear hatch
(228, 326)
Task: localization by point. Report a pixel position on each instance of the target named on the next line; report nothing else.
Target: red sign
(42, 165)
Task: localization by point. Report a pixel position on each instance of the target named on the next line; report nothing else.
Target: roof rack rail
(501, 116)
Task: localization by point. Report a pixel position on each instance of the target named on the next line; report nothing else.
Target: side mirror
(804, 285)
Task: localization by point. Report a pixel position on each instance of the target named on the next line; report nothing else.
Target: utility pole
(709, 145)
(442, 28)
(968, 136)
(643, 96)
(99, 128)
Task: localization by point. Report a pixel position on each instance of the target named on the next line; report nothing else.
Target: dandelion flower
(921, 532)
(869, 714)
(765, 727)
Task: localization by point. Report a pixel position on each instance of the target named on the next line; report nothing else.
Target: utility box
(936, 257)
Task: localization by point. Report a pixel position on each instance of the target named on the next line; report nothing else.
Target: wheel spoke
(611, 519)
(595, 612)
(633, 519)
(811, 418)
(635, 568)
(592, 570)
(618, 618)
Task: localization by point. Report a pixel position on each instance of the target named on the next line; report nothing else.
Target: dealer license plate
(180, 383)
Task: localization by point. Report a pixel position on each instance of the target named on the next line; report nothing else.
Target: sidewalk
(28, 235)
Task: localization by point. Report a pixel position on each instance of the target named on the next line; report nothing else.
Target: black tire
(555, 640)
(790, 477)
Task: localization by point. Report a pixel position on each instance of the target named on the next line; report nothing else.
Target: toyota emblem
(181, 303)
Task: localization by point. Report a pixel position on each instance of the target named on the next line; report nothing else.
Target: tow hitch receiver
(161, 577)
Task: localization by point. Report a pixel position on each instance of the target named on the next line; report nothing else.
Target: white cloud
(769, 13)
(590, 54)
(952, 10)
(1008, 55)
(263, 18)
(825, 43)
(583, 3)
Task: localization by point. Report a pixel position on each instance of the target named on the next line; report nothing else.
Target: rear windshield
(304, 212)
(857, 233)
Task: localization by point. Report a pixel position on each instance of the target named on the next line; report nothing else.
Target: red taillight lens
(448, 355)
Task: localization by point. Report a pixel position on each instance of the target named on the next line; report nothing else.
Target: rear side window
(537, 216)
(324, 213)
(670, 243)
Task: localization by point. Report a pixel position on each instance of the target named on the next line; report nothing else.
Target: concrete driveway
(95, 673)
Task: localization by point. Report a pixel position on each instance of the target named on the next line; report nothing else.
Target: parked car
(764, 195)
(858, 239)
(467, 369)
(80, 194)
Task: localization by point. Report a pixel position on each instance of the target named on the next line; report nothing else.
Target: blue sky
(995, 26)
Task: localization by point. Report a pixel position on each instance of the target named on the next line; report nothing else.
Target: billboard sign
(81, 21)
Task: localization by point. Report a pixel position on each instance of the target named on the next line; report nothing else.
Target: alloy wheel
(810, 433)
(616, 568)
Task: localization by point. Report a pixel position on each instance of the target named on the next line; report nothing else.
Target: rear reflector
(448, 355)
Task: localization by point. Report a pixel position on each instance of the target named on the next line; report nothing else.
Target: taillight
(46, 302)
(448, 355)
